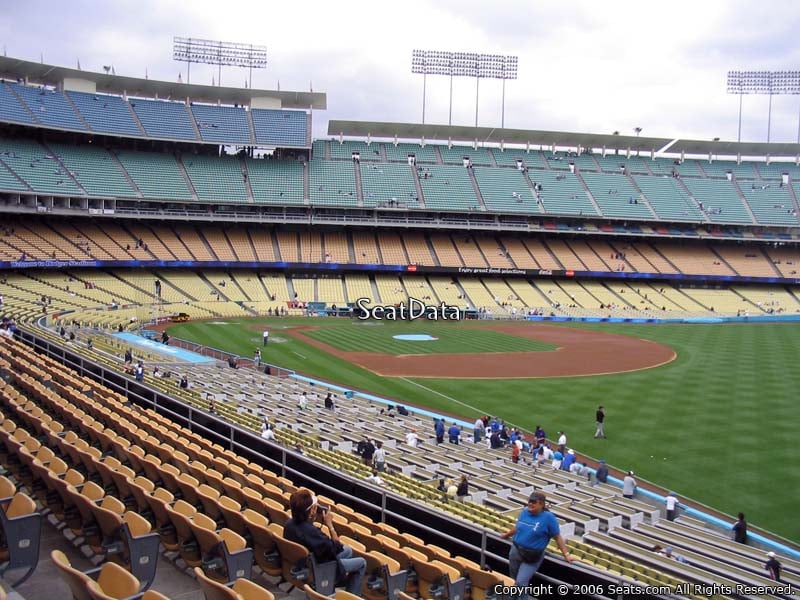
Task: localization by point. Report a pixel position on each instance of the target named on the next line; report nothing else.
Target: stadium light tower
(229, 54)
(770, 83)
(463, 64)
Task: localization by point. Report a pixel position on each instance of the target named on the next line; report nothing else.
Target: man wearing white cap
(773, 567)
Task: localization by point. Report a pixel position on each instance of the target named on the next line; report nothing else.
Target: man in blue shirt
(438, 427)
(535, 527)
(454, 433)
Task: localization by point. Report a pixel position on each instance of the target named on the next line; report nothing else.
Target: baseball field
(709, 411)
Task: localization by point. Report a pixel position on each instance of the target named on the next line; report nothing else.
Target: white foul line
(298, 354)
(441, 394)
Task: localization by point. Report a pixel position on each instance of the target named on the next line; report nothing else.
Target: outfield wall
(686, 320)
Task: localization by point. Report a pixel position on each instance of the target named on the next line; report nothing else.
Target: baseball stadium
(206, 308)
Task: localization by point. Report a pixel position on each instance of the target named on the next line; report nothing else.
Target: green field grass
(717, 425)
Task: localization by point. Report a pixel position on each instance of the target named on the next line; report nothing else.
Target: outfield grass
(717, 425)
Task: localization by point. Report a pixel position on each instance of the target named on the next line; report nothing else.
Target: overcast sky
(584, 65)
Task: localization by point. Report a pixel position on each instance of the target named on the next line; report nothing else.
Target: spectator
(477, 430)
(368, 452)
(534, 528)
(184, 382)
(442, 487)
(257, 357)
(329, 401)
(628, 485)
(412, 438)
(375, 478)
(454, 433)
(568, 461)
(672, 506)
(438, 429)
(562, 442)
(301, 530)
(379, 458)
(557, 459)
(773, 567)
(515, 452)
(462, 491)
(602, 472)
(739, 529)
(267, 431)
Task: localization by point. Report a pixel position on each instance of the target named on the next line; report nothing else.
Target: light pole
(463, 64)
(229, 54)
(764, 82)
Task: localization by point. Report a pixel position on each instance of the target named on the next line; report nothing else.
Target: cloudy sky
(584, 65)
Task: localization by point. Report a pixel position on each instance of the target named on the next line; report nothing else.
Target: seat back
(248, 590)
(294, 562)
(114, 582)
(153, 595)
(75, 579)
(214, 590)
(21, 505)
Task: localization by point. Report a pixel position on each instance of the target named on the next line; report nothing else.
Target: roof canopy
(12, 68)
(492, 135)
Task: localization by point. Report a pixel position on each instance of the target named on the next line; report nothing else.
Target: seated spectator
(301, 530)
(267, 431)
(375, 478)
(412, 438)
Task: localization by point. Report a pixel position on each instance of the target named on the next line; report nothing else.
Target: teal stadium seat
(276, 181)
(332, 183)
(506, 190)
(95, 169)
(449, 188)
(158, 176)
(223, 124)
(164, 119)
(38, 167)
(286, 128)
(11, 110)
(344, 150)
(105, 113)
(616, 196)
(719, 195)
(216, 178)
(399, 153)
(49, 106)
(668, 199)
(387, 182)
